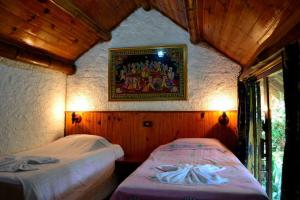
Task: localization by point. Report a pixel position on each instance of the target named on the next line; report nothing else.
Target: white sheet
(84, 161)
(25, 163)
(189, 174)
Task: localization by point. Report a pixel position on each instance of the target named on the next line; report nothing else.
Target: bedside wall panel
(140, 132)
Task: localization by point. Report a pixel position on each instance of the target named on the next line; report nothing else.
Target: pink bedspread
(140, 185)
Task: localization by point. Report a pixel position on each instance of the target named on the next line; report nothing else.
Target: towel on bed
(25, 163)
(188, 174)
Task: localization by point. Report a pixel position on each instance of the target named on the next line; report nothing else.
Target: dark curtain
(246, 149)
(242, 122)
(290, 188)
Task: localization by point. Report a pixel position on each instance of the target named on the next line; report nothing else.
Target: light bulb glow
(221, 103)
(58, 109)
(160, 53)
(79, 103)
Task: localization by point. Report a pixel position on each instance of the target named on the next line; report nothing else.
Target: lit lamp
(78, 104)
(223, 119)
(76, 118)
(222, 103)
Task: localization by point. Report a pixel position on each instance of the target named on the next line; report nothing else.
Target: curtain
(243, 126)
(246, 123)
(290, 187)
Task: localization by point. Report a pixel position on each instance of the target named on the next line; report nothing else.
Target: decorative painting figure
(148, 73)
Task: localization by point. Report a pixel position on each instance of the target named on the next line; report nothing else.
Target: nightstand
(125, 166)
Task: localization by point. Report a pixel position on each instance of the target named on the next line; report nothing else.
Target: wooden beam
(193, 7)
(292, 36)
(145, 4)
(74, 11)
(16, 53)
(270, 64)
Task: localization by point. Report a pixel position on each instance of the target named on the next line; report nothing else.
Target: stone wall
(212, 78)
(32, 104)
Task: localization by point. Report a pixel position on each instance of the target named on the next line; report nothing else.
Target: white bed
(86, 165)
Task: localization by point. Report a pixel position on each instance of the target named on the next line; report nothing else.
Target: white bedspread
(26, 163)
(84, 160)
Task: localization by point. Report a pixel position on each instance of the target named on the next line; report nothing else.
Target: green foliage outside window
(278, 141)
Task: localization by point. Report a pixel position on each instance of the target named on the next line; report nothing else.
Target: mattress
(85, 162)
(194, 151)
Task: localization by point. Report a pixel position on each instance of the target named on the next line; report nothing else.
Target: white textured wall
(210, 74)
(32, 103)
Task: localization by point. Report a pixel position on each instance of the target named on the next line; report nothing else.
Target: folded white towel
(188, 174)
(27, 163)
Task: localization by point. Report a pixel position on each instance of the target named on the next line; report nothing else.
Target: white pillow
(204, 141)
(83, 142)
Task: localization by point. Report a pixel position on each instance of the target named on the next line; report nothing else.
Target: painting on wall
(148, 73)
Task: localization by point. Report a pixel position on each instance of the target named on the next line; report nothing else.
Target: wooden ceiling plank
(220, 13)
(178, 11)
(242, 40)
(208, 18)
(292, 36)
(36, 28)
(229, 18)
(70, 8)
(30, 39)
(288, 19)
(192, 18)
(41, 42)
(46, 27)
(16, 53)
(22, 45)
(56, 18)
(107, 14)
(145, 4)
(182, 13)
(166, 10)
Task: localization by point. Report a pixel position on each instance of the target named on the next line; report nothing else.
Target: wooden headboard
(140, 132)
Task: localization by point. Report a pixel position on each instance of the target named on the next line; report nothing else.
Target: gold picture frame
(148, 73)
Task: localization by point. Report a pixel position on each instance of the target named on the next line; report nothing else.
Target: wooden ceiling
(62, 30)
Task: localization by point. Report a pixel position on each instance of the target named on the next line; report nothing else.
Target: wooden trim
(74, 11)
(292, 36)
(181, 96)
(259, 130)
(147, 111)
(145, 4)
(268, 137)
(192, 11)
(32, 57)
(254, 120)
(166, 15)
(264, 68)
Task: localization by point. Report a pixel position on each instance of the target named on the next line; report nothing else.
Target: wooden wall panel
(126, 128)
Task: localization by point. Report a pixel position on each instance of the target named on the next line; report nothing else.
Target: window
(271, 135)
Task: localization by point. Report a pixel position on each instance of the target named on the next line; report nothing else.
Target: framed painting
(148, 73)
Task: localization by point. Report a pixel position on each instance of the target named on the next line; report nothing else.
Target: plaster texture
(32, 105)
(210, 74)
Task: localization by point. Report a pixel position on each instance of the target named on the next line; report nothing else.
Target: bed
(85, 170)
(233, 180)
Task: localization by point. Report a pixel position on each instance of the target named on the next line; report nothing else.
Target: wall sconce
(76, 118)
(223, 119)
